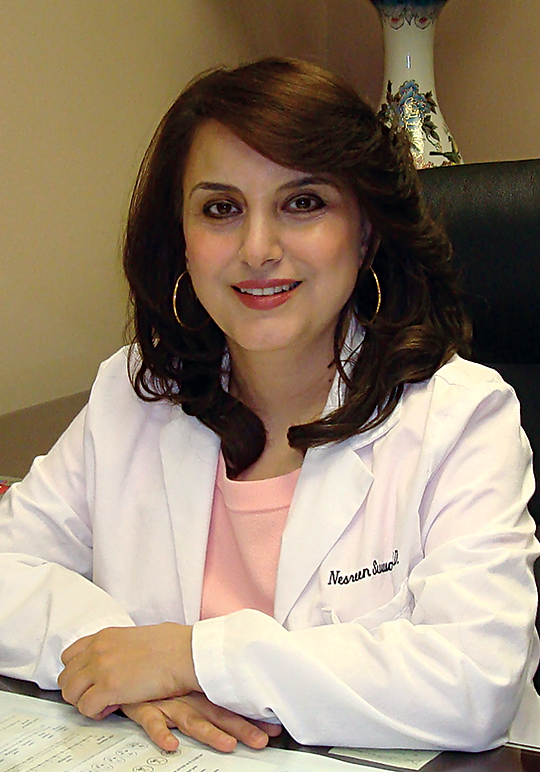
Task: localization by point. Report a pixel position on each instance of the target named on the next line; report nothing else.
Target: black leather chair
(492, 214)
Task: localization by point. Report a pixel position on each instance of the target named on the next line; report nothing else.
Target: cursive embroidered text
(336, 577)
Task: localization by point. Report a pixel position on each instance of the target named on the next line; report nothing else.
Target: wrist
(184, 666)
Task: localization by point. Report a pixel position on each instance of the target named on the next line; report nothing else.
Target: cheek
(339, 242)
(345, 262)
(340, 255)
(204, 253)
(353, 253)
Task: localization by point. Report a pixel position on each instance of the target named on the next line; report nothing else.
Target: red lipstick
(265, 294)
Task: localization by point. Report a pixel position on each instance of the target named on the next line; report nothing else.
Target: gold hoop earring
(175, 310)
(379, 294)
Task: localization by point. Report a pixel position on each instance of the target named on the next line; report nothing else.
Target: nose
(261, 242)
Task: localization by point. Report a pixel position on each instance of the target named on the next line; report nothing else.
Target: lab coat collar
(349, 354)
(336, 397)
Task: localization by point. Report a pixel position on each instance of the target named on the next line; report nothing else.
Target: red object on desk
(4, 485)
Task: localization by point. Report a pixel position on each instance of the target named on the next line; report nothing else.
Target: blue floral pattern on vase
(412, 110)
(421, 13)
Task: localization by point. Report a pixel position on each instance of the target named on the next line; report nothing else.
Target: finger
(231, 723)
(65, 676)
(97, 702)
(73, 684)
(192, 723)
(107, 712)
(92, 700)
(75, 649)
(154, 723)
(272, 730)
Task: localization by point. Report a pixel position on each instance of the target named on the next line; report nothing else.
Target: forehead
(218, 155)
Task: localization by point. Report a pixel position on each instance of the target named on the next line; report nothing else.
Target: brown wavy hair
(301, 117)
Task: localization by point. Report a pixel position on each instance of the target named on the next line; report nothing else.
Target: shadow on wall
(343, 35)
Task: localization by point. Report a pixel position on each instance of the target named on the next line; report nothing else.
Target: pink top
(248, 518)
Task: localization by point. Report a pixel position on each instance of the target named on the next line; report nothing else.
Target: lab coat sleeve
(47, 598)
(449, 672)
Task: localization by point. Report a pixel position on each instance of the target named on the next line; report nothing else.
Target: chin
(265, 347)
(273, 337)
(260, 344)
(262, 337)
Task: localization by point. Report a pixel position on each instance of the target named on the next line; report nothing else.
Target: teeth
(269, 290)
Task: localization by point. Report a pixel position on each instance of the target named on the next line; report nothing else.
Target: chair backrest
(26, 433)
(492, 214)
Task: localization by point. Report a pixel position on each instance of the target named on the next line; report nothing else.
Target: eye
(305, 203)
(221, 209)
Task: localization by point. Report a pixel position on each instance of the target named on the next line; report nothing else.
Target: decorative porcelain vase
(409, 93)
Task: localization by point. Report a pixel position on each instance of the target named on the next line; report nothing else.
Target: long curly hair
(302, 117)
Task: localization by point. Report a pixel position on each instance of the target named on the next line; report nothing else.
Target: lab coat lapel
(189, 455)
(331, 488)
(332, 485)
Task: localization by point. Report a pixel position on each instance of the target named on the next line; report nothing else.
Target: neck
(283, 388)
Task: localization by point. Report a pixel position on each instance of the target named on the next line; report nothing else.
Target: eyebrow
(309, 179)
(301, 182)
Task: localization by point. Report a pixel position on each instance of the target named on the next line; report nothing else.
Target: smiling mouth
(263, 291)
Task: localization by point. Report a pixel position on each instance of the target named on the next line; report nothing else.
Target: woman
(292, 502)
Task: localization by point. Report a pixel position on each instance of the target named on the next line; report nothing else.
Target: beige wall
(83, 85)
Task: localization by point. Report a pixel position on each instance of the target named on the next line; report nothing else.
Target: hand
(122, 665)
(195, 716)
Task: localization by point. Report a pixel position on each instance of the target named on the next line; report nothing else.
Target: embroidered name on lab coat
(336, 577)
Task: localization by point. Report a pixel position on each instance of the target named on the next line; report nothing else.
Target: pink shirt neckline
(244, 542)
(256, 495)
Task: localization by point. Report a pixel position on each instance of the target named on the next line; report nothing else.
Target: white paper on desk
(36, 738)
(122, 730)
(396, 759)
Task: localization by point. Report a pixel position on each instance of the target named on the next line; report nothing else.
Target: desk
(503, 759)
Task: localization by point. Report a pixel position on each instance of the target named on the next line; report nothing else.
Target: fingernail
(259, 736)
(170, 743)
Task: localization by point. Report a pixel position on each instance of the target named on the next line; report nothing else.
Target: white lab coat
(405, 600)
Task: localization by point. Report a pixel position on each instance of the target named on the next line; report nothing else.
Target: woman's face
(273, 253)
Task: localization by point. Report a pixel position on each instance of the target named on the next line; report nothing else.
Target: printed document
(42, 736)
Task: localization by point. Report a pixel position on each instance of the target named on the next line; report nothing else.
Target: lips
(267, 294)
(267, 291)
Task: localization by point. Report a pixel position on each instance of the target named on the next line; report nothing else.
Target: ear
(370, 241)
(367, 232)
